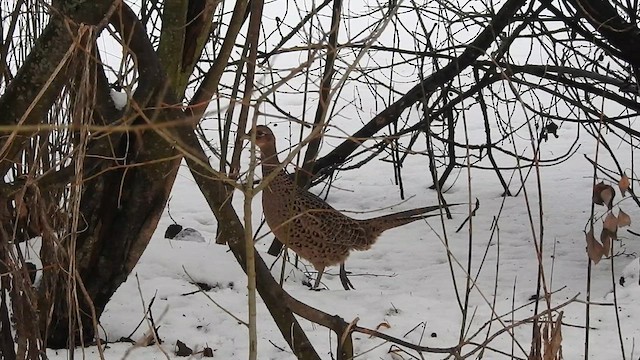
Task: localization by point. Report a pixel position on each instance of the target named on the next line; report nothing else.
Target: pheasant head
(266, 141)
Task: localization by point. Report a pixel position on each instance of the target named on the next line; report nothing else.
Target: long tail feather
(386, 222)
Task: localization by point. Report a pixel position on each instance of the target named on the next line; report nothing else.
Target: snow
(405, 280)
(119, 98)
(190, 234)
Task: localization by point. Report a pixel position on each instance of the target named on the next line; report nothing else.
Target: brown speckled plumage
(308, 225)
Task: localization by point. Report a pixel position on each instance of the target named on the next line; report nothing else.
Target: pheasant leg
(346, 284)
(317, 283)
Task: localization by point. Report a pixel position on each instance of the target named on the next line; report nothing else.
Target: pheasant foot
(346, 283)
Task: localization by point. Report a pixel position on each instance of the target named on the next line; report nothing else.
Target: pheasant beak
(246, 137)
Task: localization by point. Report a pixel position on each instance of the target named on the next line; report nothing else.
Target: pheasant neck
(269, 159)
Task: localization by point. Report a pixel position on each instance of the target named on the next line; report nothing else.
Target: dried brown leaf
(603, 194)
(597, 190)
(607, 195)
(183, 349)
(611, 222)
(553, 340)
(396, 353)
(383, 324)
(207, 352)
(606, 238)
(624, 184)
(589, 238)
(623, 219)
(594, 248)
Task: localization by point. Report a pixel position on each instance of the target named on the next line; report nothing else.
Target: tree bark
(121, 204)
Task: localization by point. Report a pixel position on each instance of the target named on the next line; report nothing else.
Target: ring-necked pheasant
(312, 228)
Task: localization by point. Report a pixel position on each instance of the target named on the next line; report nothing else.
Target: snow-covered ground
(405, 280)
